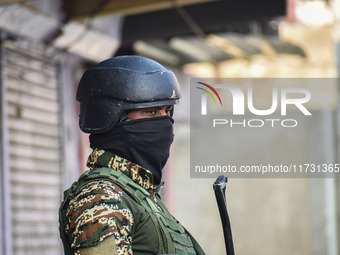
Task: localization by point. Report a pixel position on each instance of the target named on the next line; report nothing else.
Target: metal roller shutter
(34, 148)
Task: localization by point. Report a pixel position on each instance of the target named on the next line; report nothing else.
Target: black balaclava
(145, 142)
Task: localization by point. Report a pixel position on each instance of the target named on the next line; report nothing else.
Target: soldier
(126, 104)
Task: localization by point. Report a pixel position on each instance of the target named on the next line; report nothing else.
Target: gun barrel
(219, 188)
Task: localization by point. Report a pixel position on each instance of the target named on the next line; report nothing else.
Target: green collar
(140, 175)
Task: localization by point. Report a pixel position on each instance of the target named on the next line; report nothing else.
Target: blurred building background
(45, 46)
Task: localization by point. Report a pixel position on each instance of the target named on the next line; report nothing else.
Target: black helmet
(119, 84)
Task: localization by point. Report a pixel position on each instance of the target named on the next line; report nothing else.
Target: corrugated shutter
(34, 128)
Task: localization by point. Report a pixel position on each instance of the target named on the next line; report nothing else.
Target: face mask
(145, 142)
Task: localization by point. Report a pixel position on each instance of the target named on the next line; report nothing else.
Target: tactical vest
(173, 238)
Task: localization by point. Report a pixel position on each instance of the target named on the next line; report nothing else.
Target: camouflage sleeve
(97, 213)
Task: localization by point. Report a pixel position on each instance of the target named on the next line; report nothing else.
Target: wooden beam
(5, 2)
(80, 9)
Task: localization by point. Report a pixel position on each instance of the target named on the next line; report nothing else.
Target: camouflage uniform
(100, 210)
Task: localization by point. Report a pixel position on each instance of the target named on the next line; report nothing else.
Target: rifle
(219, 188)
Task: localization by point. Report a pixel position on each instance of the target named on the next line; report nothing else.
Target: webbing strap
(139, 195)
(123, 179)
(151, 204)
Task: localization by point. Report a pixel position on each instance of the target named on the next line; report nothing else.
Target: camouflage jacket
(98, 210)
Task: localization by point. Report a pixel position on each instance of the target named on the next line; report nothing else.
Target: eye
(151, 111)
(168, 110)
